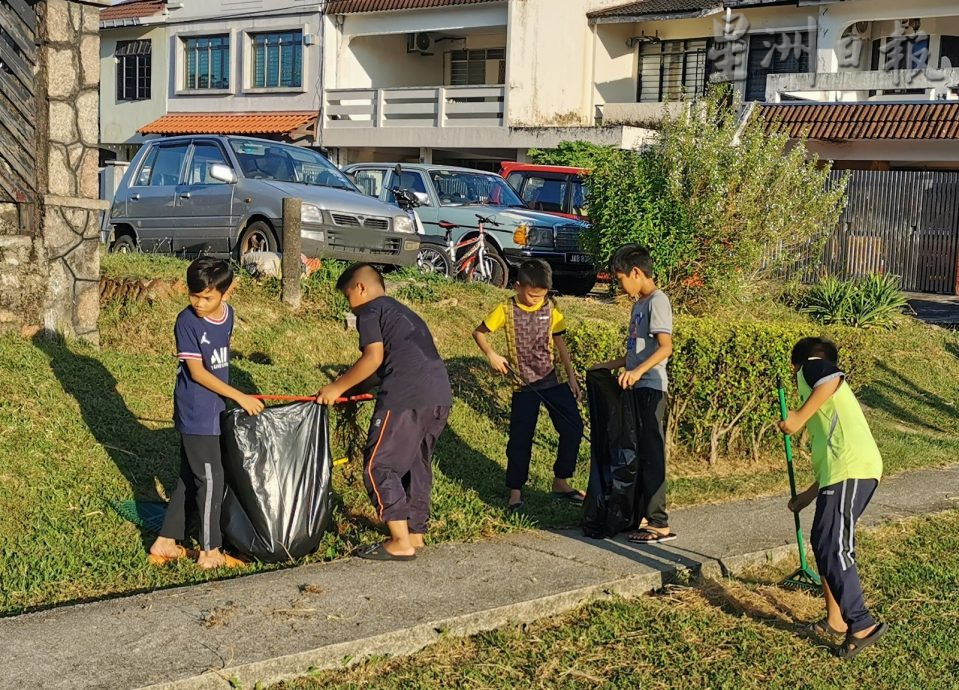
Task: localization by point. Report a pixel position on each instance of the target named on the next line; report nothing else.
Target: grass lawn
(79, 426)
(738, 634)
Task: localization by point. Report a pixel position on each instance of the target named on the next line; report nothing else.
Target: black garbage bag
(611, 504)
(278, 469)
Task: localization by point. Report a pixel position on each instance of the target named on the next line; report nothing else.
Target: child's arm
(804, 499)
(362, 370)
(611, 364)
(199, 374)
(496, 361)
(796, 420)
(560, 342)
(662, 352)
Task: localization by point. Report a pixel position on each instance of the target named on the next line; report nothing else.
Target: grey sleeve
(660, 314)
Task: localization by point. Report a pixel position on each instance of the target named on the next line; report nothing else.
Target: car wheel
(432, 258)
(124, 244)
(576, 286)
(257, 237)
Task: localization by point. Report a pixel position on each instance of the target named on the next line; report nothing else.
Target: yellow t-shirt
(497, 318)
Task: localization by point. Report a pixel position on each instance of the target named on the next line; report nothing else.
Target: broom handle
(783, 412)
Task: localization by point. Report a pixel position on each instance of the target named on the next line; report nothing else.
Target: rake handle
(787, 442)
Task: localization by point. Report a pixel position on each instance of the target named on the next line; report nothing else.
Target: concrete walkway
(276, 626)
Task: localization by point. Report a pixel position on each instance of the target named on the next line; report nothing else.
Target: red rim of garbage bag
(311, 398)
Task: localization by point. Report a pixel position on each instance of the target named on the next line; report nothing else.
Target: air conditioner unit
(421, 43)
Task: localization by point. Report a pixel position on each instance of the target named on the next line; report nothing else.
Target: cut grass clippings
(735, 634)
(79, 426)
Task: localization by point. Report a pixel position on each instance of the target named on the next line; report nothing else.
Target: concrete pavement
(277, 625)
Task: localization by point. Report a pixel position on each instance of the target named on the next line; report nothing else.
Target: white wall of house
(119, 120)
(383, 61)
(241, 96)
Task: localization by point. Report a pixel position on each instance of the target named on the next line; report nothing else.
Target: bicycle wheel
(497, 271)
(432, 258)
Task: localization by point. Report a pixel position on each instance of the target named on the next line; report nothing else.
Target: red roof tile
(230, 123)
(135, 9)
(359, 6)
(843, 121)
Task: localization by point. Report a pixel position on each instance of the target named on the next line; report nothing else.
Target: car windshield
(261, 160)
(459, 188)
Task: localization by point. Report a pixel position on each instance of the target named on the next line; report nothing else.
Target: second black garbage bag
(611, 504)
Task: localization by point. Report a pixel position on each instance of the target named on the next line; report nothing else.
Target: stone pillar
(70, 206)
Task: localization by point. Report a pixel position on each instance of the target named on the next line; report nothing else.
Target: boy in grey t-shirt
(648, 348)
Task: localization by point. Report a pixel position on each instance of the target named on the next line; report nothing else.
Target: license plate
(579, 259)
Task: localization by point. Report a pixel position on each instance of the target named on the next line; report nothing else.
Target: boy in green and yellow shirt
(847, 467)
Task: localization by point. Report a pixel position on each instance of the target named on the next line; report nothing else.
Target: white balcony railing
(835, 86)
(431, 106)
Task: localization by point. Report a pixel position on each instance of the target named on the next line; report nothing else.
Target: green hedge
(723, 377)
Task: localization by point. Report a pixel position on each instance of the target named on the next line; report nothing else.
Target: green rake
(805, 577)
(145, 514)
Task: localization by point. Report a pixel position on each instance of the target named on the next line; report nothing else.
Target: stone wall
(50, 260)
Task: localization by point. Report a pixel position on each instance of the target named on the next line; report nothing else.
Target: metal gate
(902, 222)
(18, 110)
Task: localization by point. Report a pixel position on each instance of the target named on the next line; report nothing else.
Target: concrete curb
(405, 642)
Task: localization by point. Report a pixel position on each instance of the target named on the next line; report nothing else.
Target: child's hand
(250, 405)
(629, 377)
(498, 363)
(791, 424)
(328, 394)
(577, 391)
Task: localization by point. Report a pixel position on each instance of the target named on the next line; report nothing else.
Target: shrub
(576, 154)
(719, 200)
(873, 301)
(723, 377)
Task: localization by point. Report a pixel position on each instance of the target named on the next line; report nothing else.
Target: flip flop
(379, 553)
(853, 645)
(513, 508)
(155, 559)
(575, 497)
(648, 536)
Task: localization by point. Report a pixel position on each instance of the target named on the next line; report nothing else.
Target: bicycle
(473, 259)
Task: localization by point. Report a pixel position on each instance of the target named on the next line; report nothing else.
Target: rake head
(804, 578)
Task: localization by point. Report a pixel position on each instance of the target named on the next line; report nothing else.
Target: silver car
(224, 195)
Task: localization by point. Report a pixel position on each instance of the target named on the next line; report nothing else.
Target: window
(459, 188)
(207, 62)
(901, 52)
(370, 182)
(669, 69)
(770, 49)
(578, 207)
(286, 163)
(477, 67)
(278, 60)
(161, 166)
(410, 181)
(545, 194)
(133, 70)
(949, 50)
(205, 156)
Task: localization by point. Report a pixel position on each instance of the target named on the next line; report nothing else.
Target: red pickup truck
(552, 188)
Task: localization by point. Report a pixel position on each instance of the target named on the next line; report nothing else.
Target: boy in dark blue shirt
(202, 332)
(412, 407)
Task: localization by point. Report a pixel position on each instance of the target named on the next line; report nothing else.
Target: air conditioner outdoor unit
(421, 43)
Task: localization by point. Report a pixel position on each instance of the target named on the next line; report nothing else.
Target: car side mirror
(351, 176)
(223, 173)
(422, 198)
